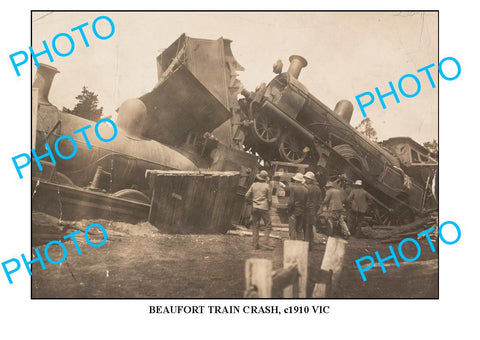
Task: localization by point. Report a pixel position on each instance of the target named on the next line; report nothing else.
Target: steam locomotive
(292, 125)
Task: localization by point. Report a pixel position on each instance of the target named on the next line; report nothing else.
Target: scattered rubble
(47, 228)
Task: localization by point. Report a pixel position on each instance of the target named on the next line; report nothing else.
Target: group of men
(307, 202)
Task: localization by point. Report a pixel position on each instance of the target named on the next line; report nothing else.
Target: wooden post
(258, 278)
(332, 260)
(296, 252)
(284, 278)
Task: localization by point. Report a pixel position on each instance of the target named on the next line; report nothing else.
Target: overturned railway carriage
(292, 125)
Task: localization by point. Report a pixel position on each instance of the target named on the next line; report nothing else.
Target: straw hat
(329, 185)
(358, 182)
(298, 177)
(262, 176)
(309, 175)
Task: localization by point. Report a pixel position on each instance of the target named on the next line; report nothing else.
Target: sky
(348, 53)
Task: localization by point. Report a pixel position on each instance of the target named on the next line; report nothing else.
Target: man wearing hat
(296, 206)
(334, 207)
(314, 198)
(260, 194)
(359, 200)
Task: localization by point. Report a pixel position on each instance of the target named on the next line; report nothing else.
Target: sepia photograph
(208, 155)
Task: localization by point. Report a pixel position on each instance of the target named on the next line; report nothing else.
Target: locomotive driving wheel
(347, 162)
(291, 148)
(265, 128)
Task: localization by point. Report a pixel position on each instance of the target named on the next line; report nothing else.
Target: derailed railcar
(292, 125)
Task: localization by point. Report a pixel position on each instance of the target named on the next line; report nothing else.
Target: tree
(365, 127)
(432, 146)
(86, 106)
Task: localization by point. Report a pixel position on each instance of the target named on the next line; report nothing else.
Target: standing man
(334, 207)
(296, 206)
(359, 200)
(260, 194)
(314, 199)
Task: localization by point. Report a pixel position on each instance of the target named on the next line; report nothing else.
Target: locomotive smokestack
(43, 82)
(344, 109)
(296, 64)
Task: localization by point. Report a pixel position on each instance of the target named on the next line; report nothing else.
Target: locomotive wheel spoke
(386, 220)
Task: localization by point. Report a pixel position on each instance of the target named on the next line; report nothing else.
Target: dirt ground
(138, 261)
